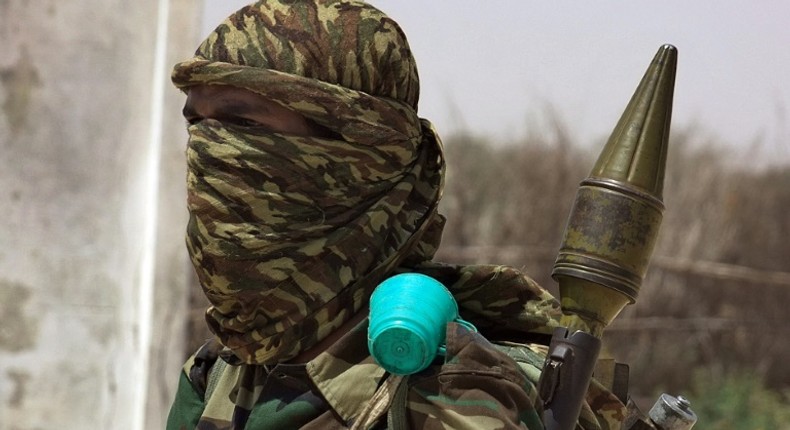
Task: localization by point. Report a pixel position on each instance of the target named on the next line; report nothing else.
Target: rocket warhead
(614, 223)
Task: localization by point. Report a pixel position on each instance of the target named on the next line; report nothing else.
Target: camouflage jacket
(477, 385)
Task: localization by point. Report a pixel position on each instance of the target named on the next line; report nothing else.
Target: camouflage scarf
(290, 234)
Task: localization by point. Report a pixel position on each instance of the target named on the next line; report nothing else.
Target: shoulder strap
(214, 376)
(396, 417)
(386, 397)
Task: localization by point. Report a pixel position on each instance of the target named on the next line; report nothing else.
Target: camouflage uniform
(478, 385)
(289, 235)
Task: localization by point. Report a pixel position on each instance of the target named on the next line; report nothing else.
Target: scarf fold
(289, 235)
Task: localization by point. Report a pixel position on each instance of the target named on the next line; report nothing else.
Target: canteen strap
(396, 417)
(379, 404)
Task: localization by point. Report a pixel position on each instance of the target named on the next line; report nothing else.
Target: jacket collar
(346, 374)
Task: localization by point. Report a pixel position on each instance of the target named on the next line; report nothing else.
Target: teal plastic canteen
(409, 313)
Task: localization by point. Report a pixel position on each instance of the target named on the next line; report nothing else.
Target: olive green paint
(614, 223)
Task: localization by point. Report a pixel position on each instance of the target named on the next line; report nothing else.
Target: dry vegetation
(715, 298)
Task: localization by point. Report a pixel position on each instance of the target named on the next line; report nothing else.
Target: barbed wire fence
(729, 272)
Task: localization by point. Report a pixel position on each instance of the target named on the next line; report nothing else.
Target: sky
(507, 68)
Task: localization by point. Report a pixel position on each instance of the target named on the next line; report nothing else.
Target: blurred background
(98, 308)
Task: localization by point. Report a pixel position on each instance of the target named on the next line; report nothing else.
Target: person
(311, 179)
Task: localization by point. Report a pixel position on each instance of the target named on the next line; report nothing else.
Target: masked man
(311, 179)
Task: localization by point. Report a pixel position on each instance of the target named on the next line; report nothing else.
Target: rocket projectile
(614, 223)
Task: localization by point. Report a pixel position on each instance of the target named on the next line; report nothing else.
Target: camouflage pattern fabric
(289, 235)
(476, 386)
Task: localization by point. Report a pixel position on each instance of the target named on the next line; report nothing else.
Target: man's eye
(244, 122)
(249, 123)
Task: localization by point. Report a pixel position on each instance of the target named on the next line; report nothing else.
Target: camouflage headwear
(289, 234)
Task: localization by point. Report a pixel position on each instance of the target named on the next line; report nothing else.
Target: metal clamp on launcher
(608, 241)
(566, 376)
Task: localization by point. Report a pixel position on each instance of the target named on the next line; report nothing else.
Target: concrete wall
(93, 270)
